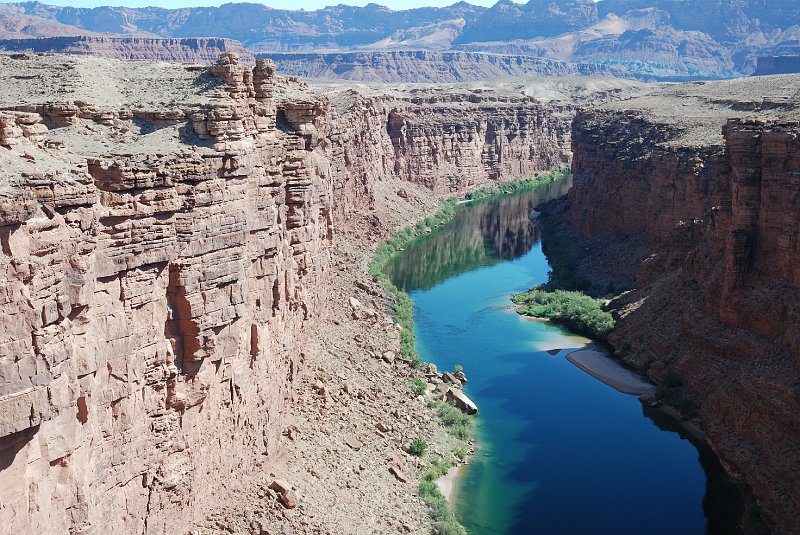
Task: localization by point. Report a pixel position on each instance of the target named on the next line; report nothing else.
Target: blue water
(558, 451)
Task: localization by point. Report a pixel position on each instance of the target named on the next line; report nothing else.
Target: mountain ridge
(662, 40)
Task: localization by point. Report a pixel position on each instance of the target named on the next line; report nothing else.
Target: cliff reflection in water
(481, 234)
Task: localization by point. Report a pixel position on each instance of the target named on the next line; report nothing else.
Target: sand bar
(447, 483)
(605, 369)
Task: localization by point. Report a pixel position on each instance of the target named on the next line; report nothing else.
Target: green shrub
(456, 422)
(418, 386)
(449, 528)
(436, 470)
(418, 447)
(576, 311)
(458, 368)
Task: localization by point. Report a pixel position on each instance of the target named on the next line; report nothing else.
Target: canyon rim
(190, 339)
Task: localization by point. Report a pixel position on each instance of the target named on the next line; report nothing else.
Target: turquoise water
(558, 451)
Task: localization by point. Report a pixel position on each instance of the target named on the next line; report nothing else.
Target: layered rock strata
(158, 268)
(716, 193)
(451, 137)
(425, 66)
(165, 235)
(186, 50)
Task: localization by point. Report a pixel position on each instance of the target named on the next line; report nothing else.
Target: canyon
(181, 243)
(167, 234)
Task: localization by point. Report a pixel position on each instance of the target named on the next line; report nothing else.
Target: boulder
(460, 400)
(280, 486)
(288, 499)
(353, 442)
(382, 427)
(448, 377)
(398, 473)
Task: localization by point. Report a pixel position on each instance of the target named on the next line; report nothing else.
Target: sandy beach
(447, 483)
(605, 369)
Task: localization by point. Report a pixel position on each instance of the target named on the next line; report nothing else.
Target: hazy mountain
(661, 39)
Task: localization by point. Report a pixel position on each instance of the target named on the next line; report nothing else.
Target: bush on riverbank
(576, 311)
(457, 423)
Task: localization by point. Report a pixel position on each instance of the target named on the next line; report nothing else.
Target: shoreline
(447, 483)
(610, 372)
(403, 308)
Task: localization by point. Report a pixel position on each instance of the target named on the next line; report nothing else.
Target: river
(558, 451)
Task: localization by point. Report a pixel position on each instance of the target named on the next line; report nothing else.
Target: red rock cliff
(152, 302)
(164, 235)
(717, 303)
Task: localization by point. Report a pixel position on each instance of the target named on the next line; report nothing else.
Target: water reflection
(553, 440)
(489, 232)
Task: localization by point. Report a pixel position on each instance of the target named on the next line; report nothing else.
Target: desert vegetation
(576, 311)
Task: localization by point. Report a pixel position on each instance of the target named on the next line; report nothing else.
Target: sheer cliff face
(187, 50)
(446, 151)
(164, 235)
(717, 302)
(152, 303)
(450, 137)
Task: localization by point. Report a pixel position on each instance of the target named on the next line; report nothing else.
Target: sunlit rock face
(165, 234)
(158, 266)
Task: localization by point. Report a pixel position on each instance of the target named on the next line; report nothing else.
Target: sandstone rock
(288, 499)
(460, 400)
(383, 428)
(398, 473)
(280, 486)
(154, 302)
(448, 377)
(429, 368)
(353, 442)
(441, 389)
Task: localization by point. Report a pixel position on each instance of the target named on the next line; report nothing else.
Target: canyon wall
(187, 50)
(716, 302)
(153, 301)
(451, 137)
(425, 66)
(165, 234)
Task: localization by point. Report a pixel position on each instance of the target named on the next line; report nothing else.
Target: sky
(278, 4)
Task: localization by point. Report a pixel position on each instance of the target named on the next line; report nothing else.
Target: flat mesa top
(700, 109)
(33, 78)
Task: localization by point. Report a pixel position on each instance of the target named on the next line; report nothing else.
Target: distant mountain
(652, 39)
(181, 50)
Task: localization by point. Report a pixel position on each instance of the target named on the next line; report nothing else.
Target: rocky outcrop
(423, 66)
(716, 301)
(153, 302)
(194, 50)
(777, 65)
